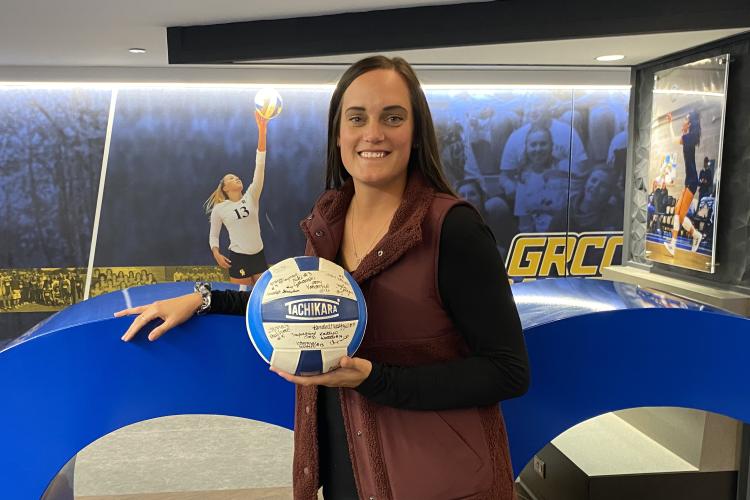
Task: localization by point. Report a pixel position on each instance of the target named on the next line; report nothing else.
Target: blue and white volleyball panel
(305, 314)
(268, 103)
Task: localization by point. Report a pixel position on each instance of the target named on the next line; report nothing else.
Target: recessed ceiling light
(136, 50)
(612, 57)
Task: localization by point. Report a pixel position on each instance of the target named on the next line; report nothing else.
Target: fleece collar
(324, 227)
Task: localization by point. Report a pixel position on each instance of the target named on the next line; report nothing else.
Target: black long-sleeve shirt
(474, 288)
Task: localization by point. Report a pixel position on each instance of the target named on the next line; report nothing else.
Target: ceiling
(100, 32)
(86, 33)
(579, 52)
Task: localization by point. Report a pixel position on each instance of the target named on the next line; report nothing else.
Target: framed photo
(687, 131)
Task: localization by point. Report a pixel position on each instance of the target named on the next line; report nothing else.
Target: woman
(538, 160)
(228, 205)
(592, 210)
(471, 190)
(415, 415)
(494, 211)
(691, 137)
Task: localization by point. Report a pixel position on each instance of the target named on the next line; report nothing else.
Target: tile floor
(187, 457)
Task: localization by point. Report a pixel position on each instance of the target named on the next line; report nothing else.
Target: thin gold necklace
(377, 237)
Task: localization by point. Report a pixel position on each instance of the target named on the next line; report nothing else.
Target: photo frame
(687, 132)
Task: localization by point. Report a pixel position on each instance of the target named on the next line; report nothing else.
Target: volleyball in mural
(268, 103)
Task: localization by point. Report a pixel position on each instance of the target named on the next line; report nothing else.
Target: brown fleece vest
(402, 454)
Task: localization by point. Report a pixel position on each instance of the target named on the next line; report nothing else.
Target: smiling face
(230, 183)
(375, 136)
(539, 148)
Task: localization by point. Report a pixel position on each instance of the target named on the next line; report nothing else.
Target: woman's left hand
(351, 373)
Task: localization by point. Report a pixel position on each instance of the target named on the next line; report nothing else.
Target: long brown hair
(424, 156)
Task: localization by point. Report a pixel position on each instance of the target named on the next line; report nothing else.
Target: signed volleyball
(268, 103)
(305, 314)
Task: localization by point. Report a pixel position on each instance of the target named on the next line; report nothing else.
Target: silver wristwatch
(205, 290)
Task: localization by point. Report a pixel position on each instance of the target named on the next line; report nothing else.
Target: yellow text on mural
(562, 254)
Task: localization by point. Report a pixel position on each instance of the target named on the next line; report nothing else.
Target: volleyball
(268, 103)
(305, 314)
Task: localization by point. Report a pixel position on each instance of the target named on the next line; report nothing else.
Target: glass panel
(687, 128)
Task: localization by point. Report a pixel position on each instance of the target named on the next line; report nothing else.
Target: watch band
(205, 290)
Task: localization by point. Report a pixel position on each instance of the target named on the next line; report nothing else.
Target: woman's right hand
(223, 262)
(172, 312)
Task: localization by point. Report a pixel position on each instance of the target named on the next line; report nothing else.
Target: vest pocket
(434, 454)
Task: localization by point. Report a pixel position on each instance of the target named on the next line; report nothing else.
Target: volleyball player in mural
(238, 211)
(691, 136)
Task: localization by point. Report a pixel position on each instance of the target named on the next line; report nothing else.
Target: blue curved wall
(594, 347)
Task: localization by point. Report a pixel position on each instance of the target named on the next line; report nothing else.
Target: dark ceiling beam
(503, 21)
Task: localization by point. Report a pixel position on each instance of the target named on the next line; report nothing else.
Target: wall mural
(544, 167)
(51, 146)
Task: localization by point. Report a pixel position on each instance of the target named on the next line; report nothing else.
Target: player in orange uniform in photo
(691, 136)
